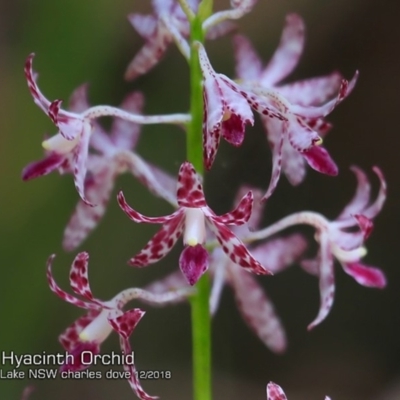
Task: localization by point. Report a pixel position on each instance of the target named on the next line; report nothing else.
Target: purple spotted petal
(257, 209)
(124, 324)
(140, 218)
(221, 29)
(81, 153)
(287, 54)
(326, 281)
(81, 358)
(62, 294)
(361, 197)
(241, 214)
(37, 95)
(319, 159)
(312, 92)
(248, 63)
(78, 276)
(275, 129)
(190, 190)
(257, 309)
(375, 208)
(85, 218)
(161, 243)
(150, 54)
(43, 167)
(234, 248)
(346, 87)
(70, 337)
(275, 392)
(365, 275)
(193, 263)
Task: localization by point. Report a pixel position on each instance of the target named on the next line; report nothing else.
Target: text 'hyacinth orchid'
(190, 220)
(88, 332)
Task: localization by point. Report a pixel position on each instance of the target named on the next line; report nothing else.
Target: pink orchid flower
(275, 392)
(166, 25)
(68, 150)
(114, 156)
(88, 332)
(227, 109)
(253, 303)
(342, 239)
(295, 140)
(191, 219)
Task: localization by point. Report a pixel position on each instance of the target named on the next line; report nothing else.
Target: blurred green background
(354, 354)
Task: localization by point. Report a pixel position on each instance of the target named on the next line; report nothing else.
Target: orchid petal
(81, 358)
(312, 92)
(130, 318)
(257, 309)
(241, 214)
(43, 167)
(275, 129)
(190, 190)
(319, 159)
(150, 54)
(78, 101)
(78, 276)
(248, 63)
(193, 263)
(234, 247)
(275, 392)
(62, 294)
(140, 218)
(39, 99)
(288, 53)
(145, 25)
(326, 281)
(365, 275)
(161, 243)
(377, 205)
(301, 136)
(81, 153)
(85, 218)
(361, 197)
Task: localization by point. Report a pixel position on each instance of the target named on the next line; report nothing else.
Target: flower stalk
(201, 319)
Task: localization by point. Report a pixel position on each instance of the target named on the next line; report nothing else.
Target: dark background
(354, 354)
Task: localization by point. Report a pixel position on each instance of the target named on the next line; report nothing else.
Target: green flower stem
(201, 321)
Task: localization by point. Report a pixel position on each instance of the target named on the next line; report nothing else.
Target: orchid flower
(275, 392)
(166, 25)
(253, 303)
(342, 238)
(88, 332)
(69, 148)
(115, 157)
(296, 139)
(190, 220)
(227, 110)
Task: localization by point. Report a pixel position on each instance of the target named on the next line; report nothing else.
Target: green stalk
(201, 322)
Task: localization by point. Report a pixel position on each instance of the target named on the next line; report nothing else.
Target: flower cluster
(220, 246)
